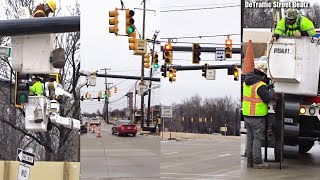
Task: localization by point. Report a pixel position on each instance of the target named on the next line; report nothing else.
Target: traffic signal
(99, 95)
(115, 89)
(204, 70)
(167, 53)
(113, 21)
(21, 89)
(81, 98)
(147, 61)
(155, 61)
(228, 48)
(129, 21)
(87, 96)
(172, 74)
(106, 93)
(196, 53)
(133, 45)
(236, 73)
(164, 70)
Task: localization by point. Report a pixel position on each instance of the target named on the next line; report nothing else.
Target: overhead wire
(197, 9)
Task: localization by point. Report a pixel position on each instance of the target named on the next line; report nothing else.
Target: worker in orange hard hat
(43, 10)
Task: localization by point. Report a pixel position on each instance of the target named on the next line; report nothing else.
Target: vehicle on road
(95, 121)
(84, 127)
(124, 127)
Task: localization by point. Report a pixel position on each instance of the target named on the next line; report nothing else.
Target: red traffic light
(168, 47)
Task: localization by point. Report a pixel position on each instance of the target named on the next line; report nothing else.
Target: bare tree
(60, 144)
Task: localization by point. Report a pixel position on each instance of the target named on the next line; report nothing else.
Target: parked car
(124, 127)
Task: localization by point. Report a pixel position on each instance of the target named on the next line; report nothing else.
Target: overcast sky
(101, 49)
(206, 22)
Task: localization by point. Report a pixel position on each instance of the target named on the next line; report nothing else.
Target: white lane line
(208, 175)
(224, 155)
(163, 177)
(170, 153)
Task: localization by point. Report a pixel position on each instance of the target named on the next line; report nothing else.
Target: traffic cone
(248, 63)
(99, 131)
(94, 127)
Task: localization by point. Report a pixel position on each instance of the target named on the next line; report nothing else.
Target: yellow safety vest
(252, 104)
(159, 120)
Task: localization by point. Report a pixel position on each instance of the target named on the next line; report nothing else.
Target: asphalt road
(306, 166)
(201, 159)
(112, 157)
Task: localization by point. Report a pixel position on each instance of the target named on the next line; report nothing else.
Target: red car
(122, 127)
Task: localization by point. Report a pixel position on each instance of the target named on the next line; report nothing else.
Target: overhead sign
(23, 172)
(166, 111)
(5, 51)
(211, 74)
(142, 47)
(220, 54)
(25, 157)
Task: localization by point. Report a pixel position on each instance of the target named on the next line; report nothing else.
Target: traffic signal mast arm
(203, 49)
(189, 68)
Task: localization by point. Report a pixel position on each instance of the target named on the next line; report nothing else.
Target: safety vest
(159, 120)
(302, 24)
(36, 89)
(252, 104)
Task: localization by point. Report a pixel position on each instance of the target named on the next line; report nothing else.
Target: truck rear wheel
(305, 146)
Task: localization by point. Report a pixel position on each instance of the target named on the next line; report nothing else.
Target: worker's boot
(261, 166)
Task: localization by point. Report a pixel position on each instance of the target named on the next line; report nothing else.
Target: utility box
(31, 54)
(35, 110)
(294, 64)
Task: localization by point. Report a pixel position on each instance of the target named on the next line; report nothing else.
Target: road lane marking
(224, 155)
(170, 153)
(208, 175)
(162, 177)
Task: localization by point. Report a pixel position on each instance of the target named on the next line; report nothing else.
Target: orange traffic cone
(99, 131)
(248, 63)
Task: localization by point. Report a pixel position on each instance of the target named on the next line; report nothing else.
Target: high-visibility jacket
(36, 89)
(252, 104)
(302, 24)
(159, 120)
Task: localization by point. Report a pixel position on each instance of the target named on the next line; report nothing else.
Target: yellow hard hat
(52, 4)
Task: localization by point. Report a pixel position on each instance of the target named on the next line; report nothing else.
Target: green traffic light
(130, 29)
(23, 97)
(156, 66)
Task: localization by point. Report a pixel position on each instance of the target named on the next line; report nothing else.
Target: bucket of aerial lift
(294, 64)
(58, 58)
(35, 110)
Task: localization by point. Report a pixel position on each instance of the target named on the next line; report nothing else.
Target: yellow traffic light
(228, 48)
(172, 74)
(147, 61)
(129, 21)
(167, 53)
(115, 89)
(113, 21)
(133, 45)
(236, 73)
(196, 53)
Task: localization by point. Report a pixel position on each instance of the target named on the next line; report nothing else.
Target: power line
(207, 36)
(197, 5)
(196, 9)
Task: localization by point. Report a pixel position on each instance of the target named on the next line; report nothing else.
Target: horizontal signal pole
(43, 25)
(203, 49)
(187, 68)
(125, 77)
